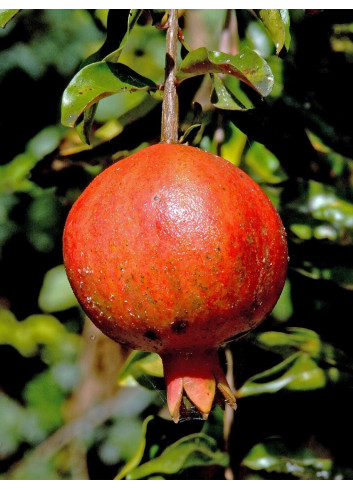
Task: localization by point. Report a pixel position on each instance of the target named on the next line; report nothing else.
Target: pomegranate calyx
(197, 374)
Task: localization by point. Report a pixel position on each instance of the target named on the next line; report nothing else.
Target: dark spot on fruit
(180, 327)
(156, 198)
(203, 287)
(150, 334)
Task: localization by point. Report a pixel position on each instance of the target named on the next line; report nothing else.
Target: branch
(170, 108)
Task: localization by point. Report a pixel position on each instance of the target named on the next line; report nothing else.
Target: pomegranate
(176, 251)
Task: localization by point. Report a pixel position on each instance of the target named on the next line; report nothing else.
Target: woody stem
(170, 107)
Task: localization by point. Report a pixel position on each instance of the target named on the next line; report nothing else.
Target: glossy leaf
(136, 459)
(96, 81)
(321, 214)
(6, 15)
(276, 22)
(84, 127)
(274, 456)
(119, 25)
(301, 339)
(248, 66)
(300, 373)
(56, 293)
(307, 341)
(323, 204)
(191, 451)
(142, 368)
(222, 98)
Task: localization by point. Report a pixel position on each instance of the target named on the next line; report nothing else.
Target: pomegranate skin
(174, 248)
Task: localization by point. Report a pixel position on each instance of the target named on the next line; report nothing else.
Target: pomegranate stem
(170, 107)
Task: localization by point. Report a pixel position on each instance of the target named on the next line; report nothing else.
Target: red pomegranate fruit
(176, 251)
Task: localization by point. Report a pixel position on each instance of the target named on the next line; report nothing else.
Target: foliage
(270, 102)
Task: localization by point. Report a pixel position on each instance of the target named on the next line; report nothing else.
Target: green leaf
(14, 175)
(274, 456)
(320, 214)
(323, 204)
(301, 339)
(341, 275)
(306, 375)
(308, 341)
(234, 143)
(300, 373)
(264, 165)
(222, 98)
(44, 398)
(136, 459)
(96, 81)
(39, 329)
(142, 368)
(190, 134)
(123, 436)
(84, 127)
(119, 25)
(193, 132)
(248, 66)
(276, 22)
(283, 310)
(133, 17)
(191, 451)
(56, 293)
(6, 15)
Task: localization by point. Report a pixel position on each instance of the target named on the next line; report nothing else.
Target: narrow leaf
(6, 15)
(122, 37)
(248, 66)
(257, 384)
(190, 133)
(274, 456)
(222, 98)
(56, 293)
(84, 127)
(96, 81)
(142, 368)
(191, 451)
(136, 459)
(276, 22)
(119, 25)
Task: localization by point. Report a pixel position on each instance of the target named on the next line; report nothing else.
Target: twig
(170, 108)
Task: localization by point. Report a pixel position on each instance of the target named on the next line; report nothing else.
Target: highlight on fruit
(176, 251)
